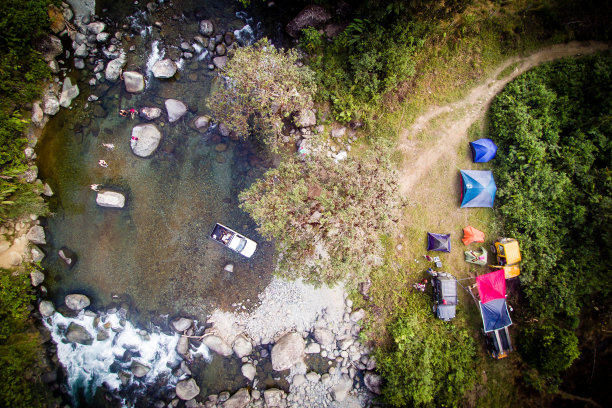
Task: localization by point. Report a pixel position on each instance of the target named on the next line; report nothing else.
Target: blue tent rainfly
(483, 150)
(477, 188)
(438, 242)
(495, 315)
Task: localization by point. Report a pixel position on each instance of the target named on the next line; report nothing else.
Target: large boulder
(36, 235)
(76, 301)
(133, 81)
(249, 371)
(165, 68)
(312, 15)
(287, 351)
(373, 382)
(113, 68)
(145, 139)
(150, 113)
(187, 389)
(206, 28)
(50, 104)
(182, 347)
(242, 347)
(324, 336)
(139, 370)
(112, 199)
(176, 109)
(69, 92)
(37, 277)
(50, 47)
(181, 324)
(217, 345)
(240, 399)
(220, 62)
(78, 334)
(46, 308)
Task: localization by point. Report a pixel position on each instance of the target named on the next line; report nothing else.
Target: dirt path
(450, 132)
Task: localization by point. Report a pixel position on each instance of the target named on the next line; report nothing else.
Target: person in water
(109, 146)
(103, 163)
(133, 113)
(95, 187)
(123, 112)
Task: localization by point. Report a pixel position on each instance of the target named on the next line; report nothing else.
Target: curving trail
(451, 131)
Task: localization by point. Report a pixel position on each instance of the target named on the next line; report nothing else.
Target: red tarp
(491, 285)
(471, 234)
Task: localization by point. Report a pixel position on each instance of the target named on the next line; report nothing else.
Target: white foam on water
(155, 55)
(203, 55)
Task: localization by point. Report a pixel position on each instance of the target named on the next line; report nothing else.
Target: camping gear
(495, 315)
(477, 188)
(444, 295)
(438, 242)
(471, 234)
(483, 150)
(491, 286)
(477, 257)
(508, 256)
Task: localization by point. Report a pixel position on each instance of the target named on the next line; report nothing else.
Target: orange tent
(471, 234)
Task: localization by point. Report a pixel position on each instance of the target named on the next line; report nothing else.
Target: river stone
(176, 109)
(242, 347)
(273, 397)
(134, 81)
(220, 147)
(102, 37)
(76, 301)
(67, 256)
(181, 324)
(373, 382)
(323, 336)
(287, 351)
(50, 104)
(298, 380)
(37, 277)
(220, 62)
(50, 47)
(206, 28)
(102, 335)
(313, 348)
(148, 139)
(201, 123)
(217, 345)
(37, 114)
(306, 118)
(341, 390)
(220, 49)
(69, 92)
(81, 51)
(139, 370)
(229, 268)
(311, 15)
(357, 315)
(78, 334)
(240, 399)
(96, 27)
(113, 68)
(182, 347)
(165, 68)
(249, 371)
(111, 199)
(46, 308)
(187, 389)
(37, 254)
(36, 235)
(150, 113)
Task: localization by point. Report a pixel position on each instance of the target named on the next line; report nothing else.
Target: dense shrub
(549, 348)
(326, 217)
(430, 364)
(553, 128)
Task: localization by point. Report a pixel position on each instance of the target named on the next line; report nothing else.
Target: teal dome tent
(477, 188)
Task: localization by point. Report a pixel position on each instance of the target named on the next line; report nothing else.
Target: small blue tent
(495, 315)
(483, 150)
(477, 188)
(438, 242)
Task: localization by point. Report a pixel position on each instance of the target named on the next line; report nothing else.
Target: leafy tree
(264, 87)
(327, 217)
(549, 348)
(430, 363)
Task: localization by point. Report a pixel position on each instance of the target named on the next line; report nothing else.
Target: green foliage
(553, 127)
(18, 344)
(430, 364)
(265, 87)
(326, 217)
(549, 348)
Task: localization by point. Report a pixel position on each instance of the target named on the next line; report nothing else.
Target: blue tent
(438, 242)
(495, 315)
(483, 150)
(477, 188)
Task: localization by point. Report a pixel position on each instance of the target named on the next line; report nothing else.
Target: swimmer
(103, 163)
(109, 146)
(95, 187)
(123, 112)
(132, 113)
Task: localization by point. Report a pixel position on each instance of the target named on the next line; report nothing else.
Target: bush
(264, 87)
(549, 348)
(326, 217)
(431, 363)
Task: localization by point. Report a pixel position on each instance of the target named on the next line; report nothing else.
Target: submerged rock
(112, 199)
(287, 351)
(67, 256)
(133, 81)
(176, 109)
(76, 301)
(139, 370)
(150, 113)
(165, 68)
(187, 389)
(78, 334)
(201, 123)
(145, 139)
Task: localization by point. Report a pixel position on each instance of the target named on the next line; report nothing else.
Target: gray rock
(102, 37)
(313, 348)
(46, 308)
(341, 390)
(249, 371)
(346, 343)
(150, 113)
(76, 301)
(181, 324)
(102, 335)
(134, 81)
(139, 370)
(29, 153)
(312, 377)
(217, 345)
(312, 15)
(240, 399)
(145, 139)
(50, 47)
(79, 63)
(79, 38)
(220, 49)
(37, 254)
(206, 28)
(242, 347)
(68, 256)
(78, 334)
(220, 62)
(306, 118)
(176, 109)
(298, 380)
(81, 51)
(201, 123)
(112, 199)
(373, 382)
(69, 92)
(37, 277)
(185, 46)
(224, 130)
(287, 351)
(67, 13)
(54, 66)
(337, 133)
(273, 397)
(187, 389)
(96, 27)
(37, 114)
(357, 315)
(47, 191)
(50, 104)
(165, 68)
(36, 235)
(324, 336)
(113, 68)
